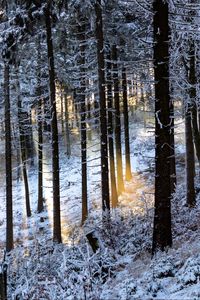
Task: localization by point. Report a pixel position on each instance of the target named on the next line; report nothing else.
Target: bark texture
(82, 100)
(162, 235)
(190, 160)
(128, 174)
(102, 100)
(8, 160)
(120, 182)
(54, 131)
(114, 196)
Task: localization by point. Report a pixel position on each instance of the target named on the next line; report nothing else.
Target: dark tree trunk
(54, 131)
(29, 144)
(162, 235)
(102, 100)
(40, 156)
(84, 159)
(126, 126)
(172, 150)
(8, 161)
(82, 101)
(67, 129)
(22, 136)
(192, 94)
(190, 161)
(88, 109)
(120, 182)
(62, 110)
(3, 282)
(114, 196)
(136, 93)
(198, 117)
(40, 206)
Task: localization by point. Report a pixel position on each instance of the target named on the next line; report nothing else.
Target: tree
(22, 119)
(82, 101)
(190, 131)
(54, 129)
(8, 160)
(162, 235)
(118, 146)
(190, 160)
(40, 205)
(193, 97)
(114, 196)
(126, 126)
(102, 101)
(172, 150)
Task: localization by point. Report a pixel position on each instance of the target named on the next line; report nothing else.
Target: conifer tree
(162, 235)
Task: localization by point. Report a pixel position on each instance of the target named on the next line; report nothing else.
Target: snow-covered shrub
(190, 272)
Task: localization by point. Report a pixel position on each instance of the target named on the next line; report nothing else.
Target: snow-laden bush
(190, 272)
(121, 268)
(59, 272)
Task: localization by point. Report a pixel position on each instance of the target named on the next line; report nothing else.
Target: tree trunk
(162, 235)
(40, 206)
(8, 161)
(82, 101)
(192, 94)
(54, 131)
(190, 161)
(172, 150)
(62, 110)
(3, 283)
(29, 144)
(102, 101)
(67, 130)
(40, 157)
(120, 182)
(22, 137)
(114, 196)
(126, 126)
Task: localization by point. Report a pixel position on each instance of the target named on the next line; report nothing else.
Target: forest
(99, 149)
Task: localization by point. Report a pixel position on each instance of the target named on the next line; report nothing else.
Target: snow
(123, 267)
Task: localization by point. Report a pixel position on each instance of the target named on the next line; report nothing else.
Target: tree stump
(93, 241)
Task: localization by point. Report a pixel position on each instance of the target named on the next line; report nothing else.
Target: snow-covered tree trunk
(102, 101)
(114, 196)
(54, 130)
(118, 144)
(190, 160)
(128, 174)
(8, 160)
(172, 150)
(67, 129)
(162, 235)
(22, 137)
(82, 102)
(193, 95)
(40, 205)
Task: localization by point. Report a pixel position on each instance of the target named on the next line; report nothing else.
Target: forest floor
(123, 268)
(70, 187)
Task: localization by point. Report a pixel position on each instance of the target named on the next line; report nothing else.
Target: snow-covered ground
(70, 186)
(123, 268)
